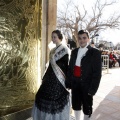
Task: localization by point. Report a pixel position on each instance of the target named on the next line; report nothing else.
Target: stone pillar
(52, 17)
(49, 17)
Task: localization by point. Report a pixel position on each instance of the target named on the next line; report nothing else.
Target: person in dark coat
(84, 74)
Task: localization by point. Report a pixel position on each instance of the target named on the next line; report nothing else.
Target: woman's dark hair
(58, 32)
(84, 31)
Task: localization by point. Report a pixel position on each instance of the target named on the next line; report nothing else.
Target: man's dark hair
(84, 31)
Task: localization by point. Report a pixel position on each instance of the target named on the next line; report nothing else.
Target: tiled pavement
(106, 104)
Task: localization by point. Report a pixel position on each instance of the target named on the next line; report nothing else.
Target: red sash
(77, 71)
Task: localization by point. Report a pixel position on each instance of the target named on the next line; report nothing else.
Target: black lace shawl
(52, 96)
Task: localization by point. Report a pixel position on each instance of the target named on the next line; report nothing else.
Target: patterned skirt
(52, 101)
(40, 115)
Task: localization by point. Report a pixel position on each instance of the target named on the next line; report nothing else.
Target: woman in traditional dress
(52, 98)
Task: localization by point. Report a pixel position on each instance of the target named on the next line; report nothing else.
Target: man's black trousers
(81, 99)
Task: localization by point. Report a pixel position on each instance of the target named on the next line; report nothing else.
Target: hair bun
(59, 34)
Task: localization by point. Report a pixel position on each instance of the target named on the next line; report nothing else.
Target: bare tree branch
(72, 19)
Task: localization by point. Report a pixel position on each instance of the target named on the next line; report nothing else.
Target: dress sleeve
(63, 63)
(69, 72)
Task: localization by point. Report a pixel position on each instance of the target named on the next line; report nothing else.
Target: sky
(109, 35)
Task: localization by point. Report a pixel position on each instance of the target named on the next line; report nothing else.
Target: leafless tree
(72, 18)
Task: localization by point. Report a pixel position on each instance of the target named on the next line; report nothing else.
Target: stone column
(49, 17)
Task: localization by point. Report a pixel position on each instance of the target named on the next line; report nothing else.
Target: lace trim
(52, 107)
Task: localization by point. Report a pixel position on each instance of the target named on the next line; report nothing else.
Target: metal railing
(105, 62)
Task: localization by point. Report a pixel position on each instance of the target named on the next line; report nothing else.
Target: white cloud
(111, 35)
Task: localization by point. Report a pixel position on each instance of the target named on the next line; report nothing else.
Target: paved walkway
(107, 100)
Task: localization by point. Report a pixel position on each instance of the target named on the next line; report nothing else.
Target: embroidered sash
(56, 55)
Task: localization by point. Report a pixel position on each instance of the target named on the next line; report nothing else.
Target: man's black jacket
(91, 70)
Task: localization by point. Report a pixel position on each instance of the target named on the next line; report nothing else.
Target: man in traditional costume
(84, 74)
